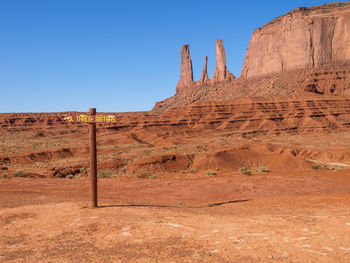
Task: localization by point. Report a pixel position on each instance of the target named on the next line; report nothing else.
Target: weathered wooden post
(93, 159)
(92, 119)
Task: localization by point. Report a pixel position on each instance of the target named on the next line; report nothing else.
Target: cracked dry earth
(38, 223)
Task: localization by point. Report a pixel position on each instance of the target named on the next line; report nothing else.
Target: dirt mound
(246, 157)
(165, 163)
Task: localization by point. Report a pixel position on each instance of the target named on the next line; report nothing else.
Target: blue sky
(63, 55)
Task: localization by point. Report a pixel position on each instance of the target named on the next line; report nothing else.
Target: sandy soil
(270, 217)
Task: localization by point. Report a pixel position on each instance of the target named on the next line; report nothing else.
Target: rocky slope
(283, 114)
(200, 136)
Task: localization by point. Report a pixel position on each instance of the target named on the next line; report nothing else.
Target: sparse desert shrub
(104, 174)
(336, 168)
(70, 176)
(20, 173)
(210, 173)
(245, 171)
(3, 176)
(144, 173)
(192, 171)
(263, 169)
(316, 166)
(83, 170)
(38, 164)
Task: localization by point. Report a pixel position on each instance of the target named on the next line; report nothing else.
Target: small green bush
(83, 170)
(3, 176)
(70, 176)
(143, 173)
(245, 171)
(316, 166)
(59, 175)
(210, 173)
(104, 174)
(263, 169)
(20, 173)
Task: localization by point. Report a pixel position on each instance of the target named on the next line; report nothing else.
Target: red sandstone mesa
(303, 38)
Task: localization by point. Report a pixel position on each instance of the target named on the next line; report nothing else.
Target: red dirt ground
(271, 217)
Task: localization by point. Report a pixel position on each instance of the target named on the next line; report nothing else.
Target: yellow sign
(87, 118)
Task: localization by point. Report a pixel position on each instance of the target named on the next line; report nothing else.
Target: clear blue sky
(62, 55)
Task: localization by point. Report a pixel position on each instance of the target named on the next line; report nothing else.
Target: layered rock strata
(247, 116)
(303, 38)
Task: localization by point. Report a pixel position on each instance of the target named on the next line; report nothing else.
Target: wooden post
(93, 159)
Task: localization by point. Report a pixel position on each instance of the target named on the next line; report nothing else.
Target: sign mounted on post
(92, 119)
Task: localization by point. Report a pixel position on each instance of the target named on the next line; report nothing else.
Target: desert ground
(180, 193)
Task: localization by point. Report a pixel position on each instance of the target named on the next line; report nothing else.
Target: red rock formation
(221, 73)
(204, 78)
(302, 114)
(306, 50)
(186, 73)
(303, 38)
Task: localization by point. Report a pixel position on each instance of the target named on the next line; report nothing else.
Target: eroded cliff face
(303, 38)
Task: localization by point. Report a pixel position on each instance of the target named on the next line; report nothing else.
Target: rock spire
(204, 78)
(186, 73)
(221, 73)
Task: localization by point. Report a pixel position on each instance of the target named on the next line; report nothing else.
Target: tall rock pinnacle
(221, 73)
(186, 73)
(204, 78)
